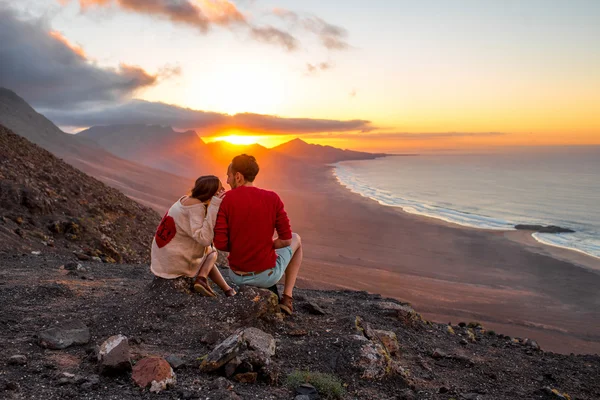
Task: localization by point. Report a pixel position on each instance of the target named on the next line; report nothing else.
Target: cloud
(209, 123)
(50, 72)
(312, 69)
(275, 36)
(385, 136)
(200, 14)
(333, 37)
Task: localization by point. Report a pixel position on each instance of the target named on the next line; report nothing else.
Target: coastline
(504, 279)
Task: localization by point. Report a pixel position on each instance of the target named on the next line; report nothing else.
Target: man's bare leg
(291, 272)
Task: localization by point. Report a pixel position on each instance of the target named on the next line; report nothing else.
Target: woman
(182, 245)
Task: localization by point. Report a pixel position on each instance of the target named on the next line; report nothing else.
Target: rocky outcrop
(45, 204)
(544, 229)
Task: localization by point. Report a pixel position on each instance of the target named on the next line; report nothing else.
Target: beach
(505, 280)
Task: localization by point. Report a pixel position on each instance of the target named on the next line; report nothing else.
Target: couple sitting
(242, 222)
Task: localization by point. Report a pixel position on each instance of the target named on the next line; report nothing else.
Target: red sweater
(245, 224)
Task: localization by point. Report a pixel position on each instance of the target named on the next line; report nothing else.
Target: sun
(237, 139)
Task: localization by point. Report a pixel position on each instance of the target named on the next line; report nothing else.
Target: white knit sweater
(182, 239)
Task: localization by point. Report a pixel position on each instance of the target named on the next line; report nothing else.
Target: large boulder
(114, 356)
(64, 335)
(153, 372)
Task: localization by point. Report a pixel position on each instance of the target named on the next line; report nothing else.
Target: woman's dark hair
(205, 187)
(245, 165)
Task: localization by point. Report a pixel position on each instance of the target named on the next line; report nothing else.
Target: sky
(378, 76)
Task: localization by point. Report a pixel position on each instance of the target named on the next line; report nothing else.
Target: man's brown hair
(245, 165)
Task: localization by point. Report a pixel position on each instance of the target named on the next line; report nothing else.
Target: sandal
(202, 287)
(230, 293)
(286, 304)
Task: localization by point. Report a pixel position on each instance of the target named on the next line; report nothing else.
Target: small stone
(443, 389)
(72, 266)
(36, 253)
(154, 372)
(82, 257)
(96, 259)
(222, 383)
(114, 356)
(450, 330)
(247, 377)
(65, 335)
(175, 361)
(314, 308)
(306, 389)
(438, 354)
(17, 360)
(463, 342)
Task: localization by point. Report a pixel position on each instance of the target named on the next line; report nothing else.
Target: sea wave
(580, 241)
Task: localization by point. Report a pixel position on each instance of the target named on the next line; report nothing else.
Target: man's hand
(280, 244)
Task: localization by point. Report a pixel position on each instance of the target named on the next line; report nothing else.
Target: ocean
(546, 186)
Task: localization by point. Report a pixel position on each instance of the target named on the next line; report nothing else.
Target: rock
(246, 377)
(175, 361)
(438, 354)
(544, 229)
(450, 330)
(96, 259)
(91, 382)
(389, 341)
(374, 361)
(222, 383)
(223, 353)
(73, 266)
(83, 257)
(463, 342)
(314, 308)
(153, 372)
(114, 356)
(307, 390)
(67, 334)
(17, 360)
(443, 389)
(250, 349)
(531, 343)
(254, 303)
(231, 366)
(471, 336)
(36, 253)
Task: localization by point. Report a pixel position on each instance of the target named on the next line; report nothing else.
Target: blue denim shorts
(269, 277)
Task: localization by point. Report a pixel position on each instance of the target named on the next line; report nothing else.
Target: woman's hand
(221, 193)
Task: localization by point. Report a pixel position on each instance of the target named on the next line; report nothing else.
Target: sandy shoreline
(504, 279)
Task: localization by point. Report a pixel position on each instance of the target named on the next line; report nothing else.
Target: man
(245, 224)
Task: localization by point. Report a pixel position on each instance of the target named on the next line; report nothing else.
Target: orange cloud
(75, 48)
(200, 13)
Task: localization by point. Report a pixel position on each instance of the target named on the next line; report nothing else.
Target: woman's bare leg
(291, 272)
(209, 269)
